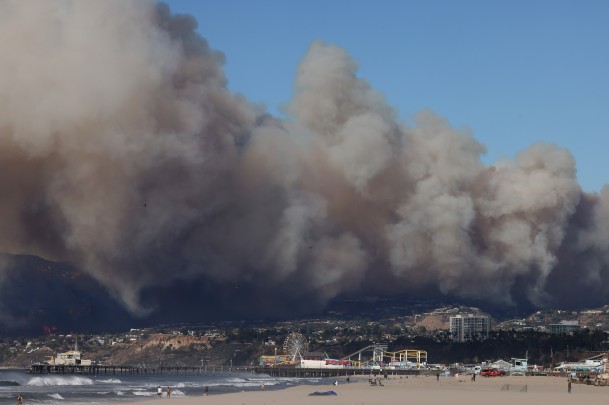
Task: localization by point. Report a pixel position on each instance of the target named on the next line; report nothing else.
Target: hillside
(150, 351)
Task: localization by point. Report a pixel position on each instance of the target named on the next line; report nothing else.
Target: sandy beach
(417, 390)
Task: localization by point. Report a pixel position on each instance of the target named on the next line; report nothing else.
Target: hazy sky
(514, 72)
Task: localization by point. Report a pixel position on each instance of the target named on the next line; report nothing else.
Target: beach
(415, 390)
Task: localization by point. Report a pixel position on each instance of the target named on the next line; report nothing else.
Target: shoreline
(419, 390)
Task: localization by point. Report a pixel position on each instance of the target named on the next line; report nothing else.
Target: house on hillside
(567, 327)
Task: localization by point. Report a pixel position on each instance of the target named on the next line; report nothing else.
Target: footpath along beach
(417, 390)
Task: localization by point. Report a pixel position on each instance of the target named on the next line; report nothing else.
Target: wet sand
(416, 390)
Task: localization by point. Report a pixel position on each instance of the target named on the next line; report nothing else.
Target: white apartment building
(469, 327)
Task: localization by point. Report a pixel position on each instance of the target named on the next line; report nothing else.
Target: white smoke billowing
(122, 151)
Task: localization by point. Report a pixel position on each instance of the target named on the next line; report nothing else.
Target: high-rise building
(469, 327)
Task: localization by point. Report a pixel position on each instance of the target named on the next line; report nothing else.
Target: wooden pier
(276, 371)
(130, 370)
(290, 371)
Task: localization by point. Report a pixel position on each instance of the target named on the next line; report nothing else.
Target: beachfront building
(469, 327)
(564, 327)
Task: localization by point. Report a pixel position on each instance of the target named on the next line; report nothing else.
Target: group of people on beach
(376, 381)
(159, 392)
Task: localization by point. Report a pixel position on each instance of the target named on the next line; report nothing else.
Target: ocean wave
(264, 380)
(252, 384)
(56, 396)
(9, 384)
(243, 384)
(177, 393)
(151, 385)
(119, 393)
(47, 381)
(222, 383)
(110, 381)
(10, 395)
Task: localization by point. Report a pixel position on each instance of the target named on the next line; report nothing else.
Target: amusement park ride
(294, 346)
(295, 354)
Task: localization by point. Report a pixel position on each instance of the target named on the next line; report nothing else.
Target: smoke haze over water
(123, 152)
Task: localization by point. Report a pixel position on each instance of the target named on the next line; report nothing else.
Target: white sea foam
(252, 384)
(151, 385)
(242, 384)
(144, 393)
(56, 396)
(110, 381)
(55, 380)
(120, 393)
(177, 393)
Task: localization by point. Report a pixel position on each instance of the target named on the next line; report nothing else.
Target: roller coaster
(381, 358)
(369, 356)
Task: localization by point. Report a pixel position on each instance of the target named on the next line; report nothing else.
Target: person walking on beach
(159, 392)
(206, 391)
(168, 391)
(569, 386)
(20, 400)
(438, 377)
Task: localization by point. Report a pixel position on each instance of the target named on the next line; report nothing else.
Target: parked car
(492, 372)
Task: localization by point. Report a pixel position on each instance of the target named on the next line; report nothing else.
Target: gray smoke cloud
(123, 152)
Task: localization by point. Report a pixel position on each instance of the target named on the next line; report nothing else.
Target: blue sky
(514, 72)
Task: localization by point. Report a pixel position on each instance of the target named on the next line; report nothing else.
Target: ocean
(54, 389)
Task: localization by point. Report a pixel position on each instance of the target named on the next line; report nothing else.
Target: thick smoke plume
(123, 152)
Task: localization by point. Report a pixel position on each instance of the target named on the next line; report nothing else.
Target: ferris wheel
(294, 345)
